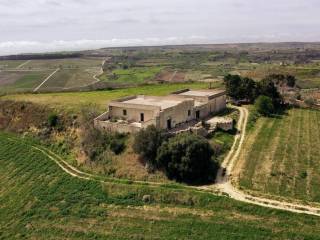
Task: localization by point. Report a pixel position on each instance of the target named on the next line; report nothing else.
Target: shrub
(310, 101)
(117, 145)
(147, 142)
(188, 158)
(53, 120)
(264, 105)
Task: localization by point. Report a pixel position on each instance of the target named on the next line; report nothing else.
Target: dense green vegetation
(40, 201)
(247, 89)
(281, 155)
(146, 144)
(264, 105)
(188, 157)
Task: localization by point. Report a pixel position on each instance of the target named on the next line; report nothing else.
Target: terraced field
(40, 201)
(282, 156)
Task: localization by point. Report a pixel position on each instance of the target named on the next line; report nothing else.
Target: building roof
(162, 102)
(202, 93)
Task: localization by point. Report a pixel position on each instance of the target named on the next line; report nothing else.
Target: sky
(55, 25)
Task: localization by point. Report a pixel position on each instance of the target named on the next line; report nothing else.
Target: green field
(74, 101)
(282, 155)
(40, 201)
(134, 75)
(16, 81)
(5, 64)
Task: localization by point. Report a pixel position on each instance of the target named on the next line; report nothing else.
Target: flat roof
(162, 102)
(201, 93)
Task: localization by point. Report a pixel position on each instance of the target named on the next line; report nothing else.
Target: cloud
(17, 47)
(42, 21)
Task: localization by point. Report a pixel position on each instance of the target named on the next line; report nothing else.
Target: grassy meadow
(73, 101)
(281, 156)
(40, 201)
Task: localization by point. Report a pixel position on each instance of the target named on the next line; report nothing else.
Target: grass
(134, 75)
(73, 101)
(224, 140)
(40, 201)
(281, 156)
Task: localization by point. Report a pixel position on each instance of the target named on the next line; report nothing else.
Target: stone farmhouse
(131, 114)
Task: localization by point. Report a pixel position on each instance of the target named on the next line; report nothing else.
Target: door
(197, 114)
(141, 117)
(169, 124)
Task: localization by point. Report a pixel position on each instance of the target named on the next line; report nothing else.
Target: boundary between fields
(44, 81)
(22, 64)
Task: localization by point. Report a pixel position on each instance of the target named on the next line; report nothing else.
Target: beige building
(130, 114)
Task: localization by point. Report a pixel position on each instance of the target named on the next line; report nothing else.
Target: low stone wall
(116, 127)
(225, 124)
(103, 122)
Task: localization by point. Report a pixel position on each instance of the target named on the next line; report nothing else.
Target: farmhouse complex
(130, 114)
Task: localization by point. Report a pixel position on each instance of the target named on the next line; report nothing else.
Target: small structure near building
(131, 114)
(223, 123)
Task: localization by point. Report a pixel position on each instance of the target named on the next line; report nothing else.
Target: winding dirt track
(223, 181)
(224, 184)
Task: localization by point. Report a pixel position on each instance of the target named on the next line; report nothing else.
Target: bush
(53, 120)
(117, 145)
(147, 142)
(188, 158)
(264, 105)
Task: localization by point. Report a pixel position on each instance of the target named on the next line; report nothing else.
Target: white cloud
(42, 21)
(16, 47)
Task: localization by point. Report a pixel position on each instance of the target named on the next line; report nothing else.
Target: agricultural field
(40, 201)
(66, 79)
(308, 75)
(281, 156)
(135, 75)
(73, 101)
(25, 76)
(21, 81)
(9, 64)
(119, 68)
(69, 63)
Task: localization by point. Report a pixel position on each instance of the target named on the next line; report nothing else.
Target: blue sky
(50, 25)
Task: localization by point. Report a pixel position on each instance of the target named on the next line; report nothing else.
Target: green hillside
(40, 201)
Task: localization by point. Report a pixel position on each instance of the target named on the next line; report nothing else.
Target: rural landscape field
(71, 180)
(281, 154)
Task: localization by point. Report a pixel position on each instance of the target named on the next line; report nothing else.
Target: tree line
(264, 94)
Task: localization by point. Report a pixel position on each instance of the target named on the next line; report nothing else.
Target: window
(189, 113)
(142, 117)
(124, 112)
